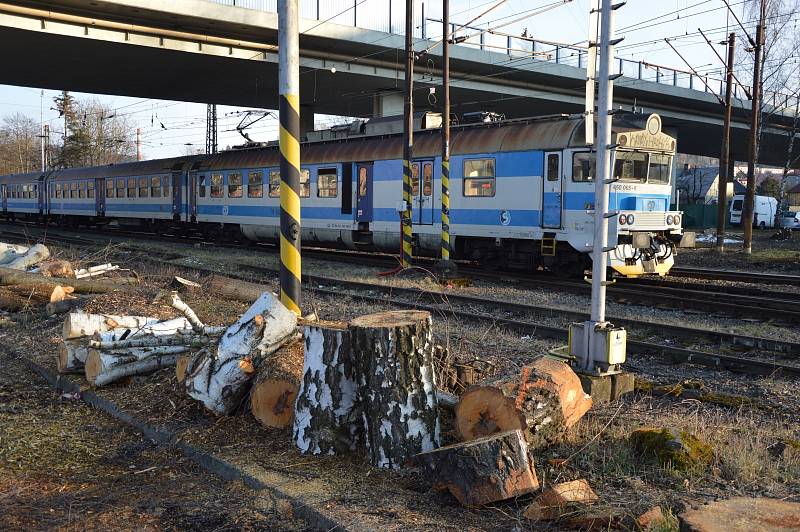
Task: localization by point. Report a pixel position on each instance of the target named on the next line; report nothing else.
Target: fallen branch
(82, 286)
(171, 327)
(99, 363)
(153, 341)
(177, 303)
(34, 255)
(94, 271)
(234, 288)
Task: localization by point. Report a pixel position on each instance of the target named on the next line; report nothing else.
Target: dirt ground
(66, 466)
(769, 255)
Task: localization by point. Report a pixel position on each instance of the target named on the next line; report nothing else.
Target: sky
(170, 128)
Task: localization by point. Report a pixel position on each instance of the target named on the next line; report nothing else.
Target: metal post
(41, 125)
(138, 144)
(724, 177)
(408, 115)
(289, 142)
(747, 209)
(445, 265)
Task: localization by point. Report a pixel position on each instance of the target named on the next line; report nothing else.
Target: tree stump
(276, 385)
(180, 367)
(483, 471)
(393, 352)
(544, 400)
(328, 419)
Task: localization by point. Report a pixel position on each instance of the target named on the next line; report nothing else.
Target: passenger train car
(522, 194)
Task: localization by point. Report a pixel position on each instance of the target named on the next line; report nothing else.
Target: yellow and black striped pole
(446, 131)
(289, 142)
(408, 112)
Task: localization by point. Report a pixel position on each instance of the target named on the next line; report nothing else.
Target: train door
(422, 192)
(192, 193)
(552, 195)
(177, 194)
(100, 195)
(40, 194)
(364, 192)
(4, 196)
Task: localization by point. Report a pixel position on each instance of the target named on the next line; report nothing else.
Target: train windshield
(642, 167)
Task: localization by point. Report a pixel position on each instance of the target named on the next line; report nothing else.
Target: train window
(155, 187)
(427, 179)
(274, 184)
(216, 186)
(82, 189)
(414, 179)
(131, 189)
(109, 188)
(235, 185)
(90, 190)
(327, 183)
(584, 165)
(121, 187)
(165, 186)
(255, 185)
(305, 183)
(659, 168)
(553, 164)
(630, 165)
(201, 187)
(35, 190)
(479, 177)
(143, 187)
(73, 189)
(58, 190)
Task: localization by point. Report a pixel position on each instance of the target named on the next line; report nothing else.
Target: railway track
(445, 304)
(741, 302)
(733, 275)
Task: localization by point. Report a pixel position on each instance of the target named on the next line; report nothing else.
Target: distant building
(700, 185)
(793, 198)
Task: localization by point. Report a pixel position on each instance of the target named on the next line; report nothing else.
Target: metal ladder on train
(548, 245)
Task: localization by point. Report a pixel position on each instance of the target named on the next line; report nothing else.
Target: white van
(764, 209)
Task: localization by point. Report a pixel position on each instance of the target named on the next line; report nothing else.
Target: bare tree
(19, 145)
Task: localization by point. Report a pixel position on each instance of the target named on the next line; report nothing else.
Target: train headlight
(677, 219)
(629, 219)
(622, 219)
(670, 220)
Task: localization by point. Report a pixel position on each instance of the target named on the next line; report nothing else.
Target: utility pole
(289, 143)
(408, 112)
(724, 178)
(138, 144)
(41, 125)
(46, 148)
(211, 128)
(747, 210)
(598, 346)
(446, 266)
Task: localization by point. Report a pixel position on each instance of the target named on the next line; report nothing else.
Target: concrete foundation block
(621, 383)
(597, 387)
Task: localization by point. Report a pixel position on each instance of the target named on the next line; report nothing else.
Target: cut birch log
(95, 271)
(188, 340)
(276, 384)
(234, 288)
(72, 356)
(221, 378)
(180, 367)
(56, 268)
(543, 400)
(393, 352)
(483, 471)
(61, 300)
(10, 252)
(36, 254)
(77, 324)
(140, 367)
(100, 363)
(328, 419)
(184, 285)
(81, 286)
(171, 327)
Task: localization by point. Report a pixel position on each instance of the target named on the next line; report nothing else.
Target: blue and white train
(522, 194)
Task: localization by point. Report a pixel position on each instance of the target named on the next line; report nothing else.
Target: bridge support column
(306, 119)
(387, 104)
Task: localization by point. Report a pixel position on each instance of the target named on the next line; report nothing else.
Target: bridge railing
(521, 50)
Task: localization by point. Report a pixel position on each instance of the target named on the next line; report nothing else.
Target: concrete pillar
(306, 119)
(387, 104)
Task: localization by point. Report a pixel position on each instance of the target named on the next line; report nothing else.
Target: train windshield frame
(631, 166)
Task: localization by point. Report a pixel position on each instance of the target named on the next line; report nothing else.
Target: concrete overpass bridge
(210, 52)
